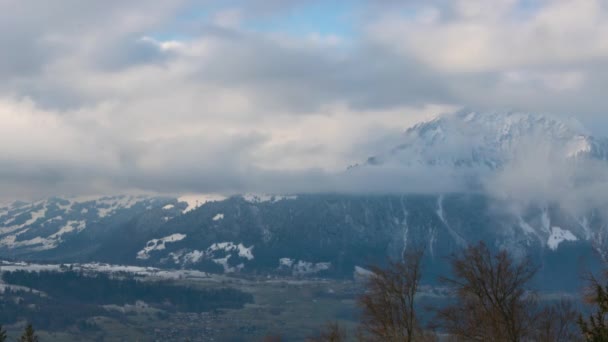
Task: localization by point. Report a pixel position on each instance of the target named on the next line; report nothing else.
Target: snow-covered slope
(46, 224)
(488, 140)
(309, 235)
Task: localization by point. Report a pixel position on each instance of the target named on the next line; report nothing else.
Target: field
(291, 308)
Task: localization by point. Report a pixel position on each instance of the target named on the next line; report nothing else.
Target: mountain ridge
(335, 234)
(489, 139)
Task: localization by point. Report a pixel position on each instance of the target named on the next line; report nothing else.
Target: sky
(180, 96)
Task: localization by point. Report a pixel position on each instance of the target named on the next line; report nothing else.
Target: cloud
(541, 175)
(185, 96)
(540, 55)
(501, 35)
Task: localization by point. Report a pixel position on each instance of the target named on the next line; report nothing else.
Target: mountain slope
(489, 140)
(335, 235)
(331, 235)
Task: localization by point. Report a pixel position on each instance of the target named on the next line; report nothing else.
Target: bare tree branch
(388, 305)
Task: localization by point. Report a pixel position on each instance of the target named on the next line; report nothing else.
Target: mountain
(338, 235)
(42, 226)
(304, 235)
(489, 140)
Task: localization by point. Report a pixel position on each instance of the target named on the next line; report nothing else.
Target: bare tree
(272, 338)
(595, 328)
(332, 332)
(388, 304)
(557, 323)
(491, 299)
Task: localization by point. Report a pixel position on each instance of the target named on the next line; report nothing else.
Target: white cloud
(494, 36)
(159, 97)
(553, 80)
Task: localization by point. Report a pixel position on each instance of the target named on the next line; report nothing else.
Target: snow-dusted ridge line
(114, 204)
(43, 243)
(58, 212)
(488, 140)
(193, 201)
(262, 198)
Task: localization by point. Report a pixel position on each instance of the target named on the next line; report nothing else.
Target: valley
(211, 267)
(290, 307)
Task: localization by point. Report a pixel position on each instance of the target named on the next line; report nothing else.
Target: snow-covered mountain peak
(490, 139)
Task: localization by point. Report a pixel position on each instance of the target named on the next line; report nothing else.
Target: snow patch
(7, 230)
(243, 252)
(301, 267)
(559, 235)
(287, 262)
(71, 226)
(41, 243)
(227, 268)
(105, 268)
(218, 217)
(579, 145)
(261, 198)
(35, 216)
(113, 204)
(304, 267)
(546, 220)
(158, 244)
(193, 257)
(361, 273)
(168, 207)
(196, 200)
(4, 287)
(525, 226)
(584, 222)
(65, 207)
(184, 257)
(443, 220)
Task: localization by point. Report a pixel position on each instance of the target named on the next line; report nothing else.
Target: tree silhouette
(332, 332)
(388, 311)
(557, 323)
(29, 335)
(491, 299)
(595, 328)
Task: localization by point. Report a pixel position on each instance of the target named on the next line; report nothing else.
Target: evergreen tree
(595, 329)
(29, 335)
(2, 334)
